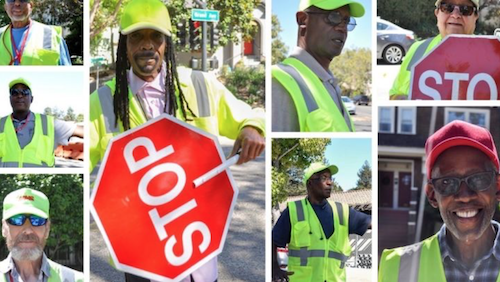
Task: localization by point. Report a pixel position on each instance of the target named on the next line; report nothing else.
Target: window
(381, 26)
(475, 116)
(386, 120)
(407, 117)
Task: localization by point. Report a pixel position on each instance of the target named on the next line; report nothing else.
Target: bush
(247, 84)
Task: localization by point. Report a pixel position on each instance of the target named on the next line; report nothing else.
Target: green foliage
(353, 69)
(68, 115)
(289, 159)
(364, 177)
(65, 193)
(247, 84)
(278, 47)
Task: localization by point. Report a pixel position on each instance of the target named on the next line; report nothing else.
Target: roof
(357, 199)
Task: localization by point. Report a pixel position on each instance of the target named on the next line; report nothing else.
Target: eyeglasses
(24, 92)
(335, 18)
(322, 178)
(464, 10)
(22, 1)
(18, 220)
(478, 182)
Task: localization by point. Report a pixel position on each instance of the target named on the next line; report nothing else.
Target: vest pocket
(301, 273)
(208, 124)
(319, 121)
(46, 58)
(300, 234)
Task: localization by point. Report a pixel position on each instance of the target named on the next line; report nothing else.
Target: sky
(360, 37)
(349, 155)
(50, 88)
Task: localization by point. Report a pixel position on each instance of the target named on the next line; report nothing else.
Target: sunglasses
(24, 92)
(335, 18)
(22, 1)
(18, 220)
(464, 10)
(478, 182)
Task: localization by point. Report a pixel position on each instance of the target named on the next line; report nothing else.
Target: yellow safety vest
(420, 262)
(316, 110)
(42, 46)
(216, 112)
(311, 256)
(401, 85)
(38, 153)
(58, 273)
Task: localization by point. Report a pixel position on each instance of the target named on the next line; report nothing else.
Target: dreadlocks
(172, 84)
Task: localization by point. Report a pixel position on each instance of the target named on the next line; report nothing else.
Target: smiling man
(28, 42)
(316, 232)
(453, 17)
(26, 227)
(305, 94)
(463, 183)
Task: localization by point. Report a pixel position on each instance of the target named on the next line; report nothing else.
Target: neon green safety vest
(420, 262)
(401, 85)
(316, 110)
(38, 153)
(58, 273)
(42, 46)
(311, 256)
(216, 112)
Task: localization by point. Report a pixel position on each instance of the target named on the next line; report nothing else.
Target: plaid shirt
(485, 269)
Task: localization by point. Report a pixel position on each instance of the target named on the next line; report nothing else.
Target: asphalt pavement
(363, 118)
(243, 257)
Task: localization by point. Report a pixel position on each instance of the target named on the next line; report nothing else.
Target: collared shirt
(151, 95)
(284, 112)
(8, 268)
(485, 269)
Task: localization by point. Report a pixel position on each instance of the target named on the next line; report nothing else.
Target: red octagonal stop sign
(155, 223)
(461, 67)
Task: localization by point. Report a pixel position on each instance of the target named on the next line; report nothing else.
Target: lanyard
(23, 125)
(19, 52)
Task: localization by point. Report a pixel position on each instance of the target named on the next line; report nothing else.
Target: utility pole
(203, 5)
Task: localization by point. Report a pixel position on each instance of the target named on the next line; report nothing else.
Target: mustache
(27, 237)
(145, 54)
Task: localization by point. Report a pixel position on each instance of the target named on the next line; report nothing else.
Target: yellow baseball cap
(142, 14)
(317, 167)
(19, 81)
(357, 10)
(26, 201)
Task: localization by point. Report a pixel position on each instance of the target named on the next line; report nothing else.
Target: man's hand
(280, 275)
(251, 143)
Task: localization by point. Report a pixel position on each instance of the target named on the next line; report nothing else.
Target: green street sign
(204, 15)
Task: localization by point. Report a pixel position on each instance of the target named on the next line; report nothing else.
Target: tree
(70, 115)
(353, 69)
(336, 186)
(364, 177)
(289, 159)
(278, 47)
(79, 118)
(48, 111)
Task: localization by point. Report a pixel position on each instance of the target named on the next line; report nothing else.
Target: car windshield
(345, 99)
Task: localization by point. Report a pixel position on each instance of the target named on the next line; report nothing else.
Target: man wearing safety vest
(463, 183)
(305, 94)
(453, 17)
(28, 42)
(28, 139)
(317, 232)
(26, 227)
(149, 83)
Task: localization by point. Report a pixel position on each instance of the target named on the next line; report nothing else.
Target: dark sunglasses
(478, 182)
(18, 220)
(464, 10)
(24, 92)
(22, 1)
(335, 18)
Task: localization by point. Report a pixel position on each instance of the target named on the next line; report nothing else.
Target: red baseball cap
(459, 133)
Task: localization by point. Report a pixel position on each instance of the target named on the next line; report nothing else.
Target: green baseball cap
(475, 2)
(357, 10)
(317, 167)
(21, 81)
(26, 201)
(142, 14)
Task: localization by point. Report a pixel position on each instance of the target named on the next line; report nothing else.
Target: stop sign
(155, 223)
(461, 67)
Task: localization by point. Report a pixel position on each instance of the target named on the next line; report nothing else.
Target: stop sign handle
(216, 171)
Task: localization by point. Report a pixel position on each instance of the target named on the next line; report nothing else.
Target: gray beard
(26, 254)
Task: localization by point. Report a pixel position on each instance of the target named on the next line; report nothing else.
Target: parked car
(392, 41)
(349, 105)
(361, 100)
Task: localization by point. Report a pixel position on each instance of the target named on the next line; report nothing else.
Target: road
(384, 76)
(243, 257)
(363, 118)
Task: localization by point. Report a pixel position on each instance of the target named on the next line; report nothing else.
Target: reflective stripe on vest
(106, 100)
(316, 109)
(200, 87)
(58, 273)
(419, 53)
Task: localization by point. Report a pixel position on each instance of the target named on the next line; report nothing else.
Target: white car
(349, 105)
